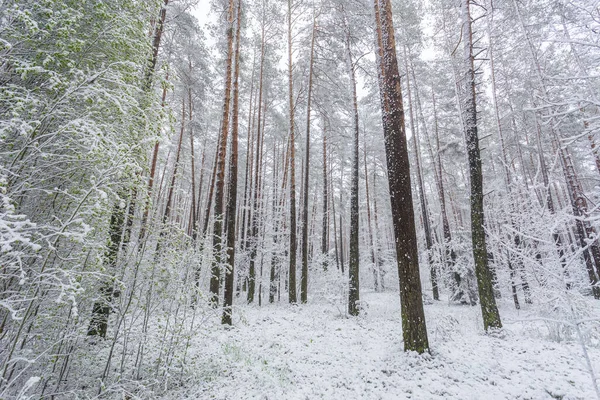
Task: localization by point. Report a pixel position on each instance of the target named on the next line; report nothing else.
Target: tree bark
(253, 237)
(489, 310)
(354, 256)
(220, 182)
(194, 218)
(413, 316)
(293, 237)
(156, 44)
(304, 272)
(233, 177)
(249, 159)
(335, 233)
(325, 226)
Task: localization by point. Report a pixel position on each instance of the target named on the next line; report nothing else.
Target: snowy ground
(314, 352)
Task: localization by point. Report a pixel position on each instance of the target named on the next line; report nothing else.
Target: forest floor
(314, 351)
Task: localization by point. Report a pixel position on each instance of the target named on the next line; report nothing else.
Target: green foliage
(73, 123)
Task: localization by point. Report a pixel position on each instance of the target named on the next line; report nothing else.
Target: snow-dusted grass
(312, 352)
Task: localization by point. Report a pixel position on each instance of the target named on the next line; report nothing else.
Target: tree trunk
(253, 237)
(375, 267)
(149, 74)
(293, 237)
(354, 257)
(249, 159)
(413, 316)
(101, 309)
(233, 172)
(335, 234)
(489, 310)
(304, 272)
(325, 226)
(584, 230)
(156, 44)
(194, 218)
(220, 182)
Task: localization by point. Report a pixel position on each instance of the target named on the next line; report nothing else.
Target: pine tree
(489, 310)
(233, 178)
(413, 317)
(293, 234)
(354, 257)
(220, 181)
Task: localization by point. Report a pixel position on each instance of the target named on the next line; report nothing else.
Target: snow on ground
(314, 352)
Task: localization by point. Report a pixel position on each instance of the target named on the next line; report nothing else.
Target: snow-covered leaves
(73, 118)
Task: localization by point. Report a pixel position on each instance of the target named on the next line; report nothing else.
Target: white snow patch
(313, 352)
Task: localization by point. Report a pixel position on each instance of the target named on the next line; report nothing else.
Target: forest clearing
(318, 353)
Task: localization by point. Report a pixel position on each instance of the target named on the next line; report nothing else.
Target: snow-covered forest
(293, 199)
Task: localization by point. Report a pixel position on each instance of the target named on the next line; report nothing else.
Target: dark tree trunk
(413, 316)
(335, 234)
(149, 74)
(304, 272)
(233, 172)
(325, 227)
(193, 216)
(584, 230)
(156, 44)
(249, 160)
(101, 309)
(353, 260)
(293, 233)
(215, 277)
(489, 310)
(252, 239)
(341, 238)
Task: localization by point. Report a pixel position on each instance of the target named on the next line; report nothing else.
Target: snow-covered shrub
(73, 130)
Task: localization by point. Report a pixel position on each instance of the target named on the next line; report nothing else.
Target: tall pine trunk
(249, 161)
(233, 172)
(304, 271)
(489, 310)
(413, 317)
(193, 217)
(325, 225)
(293, 233)
(215, 277)
(354, 257)
(252, 239)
